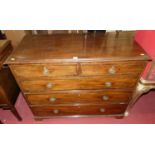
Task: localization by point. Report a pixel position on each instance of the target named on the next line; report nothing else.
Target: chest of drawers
(75, 75)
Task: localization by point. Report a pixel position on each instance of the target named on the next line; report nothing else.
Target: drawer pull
(12, 59)
(112, 70)
(122, 103)
(108, 84)
(105, 98)
(102, 110)
(52, 99)
(45, 71)
(49, 85)
(55, 111)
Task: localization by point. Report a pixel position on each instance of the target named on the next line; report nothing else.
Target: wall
(15, 36)
(146, 39)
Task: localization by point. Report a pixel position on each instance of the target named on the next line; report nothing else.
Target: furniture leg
(144, 86)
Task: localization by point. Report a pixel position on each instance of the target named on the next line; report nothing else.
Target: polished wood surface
(44, 70)
(91, 83)
(9, 89)
(81, 97)
(78, 74)
(46, 111)
(77, 69)
(85, 47)
(112, 68)
(8, 85)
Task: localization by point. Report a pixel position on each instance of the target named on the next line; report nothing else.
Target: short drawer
(47, 111)
(43, 70)
(32, 71)
(124, 81)
(80, 97)
(112, 68)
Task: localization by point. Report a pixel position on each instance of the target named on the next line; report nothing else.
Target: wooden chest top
(77, 47)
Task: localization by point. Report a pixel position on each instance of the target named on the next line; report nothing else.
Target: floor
(142, 113)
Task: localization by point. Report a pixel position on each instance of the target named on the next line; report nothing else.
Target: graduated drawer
(45, 111)
(83, 97)
(43, 70)
(84, 83)
(112, 68)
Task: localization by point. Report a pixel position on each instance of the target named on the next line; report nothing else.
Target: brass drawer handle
(122, 103)
(108, 84)
(55, 111)
(112, 70)
(52, 99)
(102, 110)
(105, 98)
(45, 71)
(49, 85)
(12, 59)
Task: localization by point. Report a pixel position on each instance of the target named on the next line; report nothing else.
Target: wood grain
(9, 86)
(78, 110)
(77, 69)
(38, 71)
(78, 97)
(84, 83)
(9, 89)
(85, 47)
(93, 69)
(78, 74)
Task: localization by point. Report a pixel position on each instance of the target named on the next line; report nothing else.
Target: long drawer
(77, 97)
(81, 69)
(45, 111)
(92, 83)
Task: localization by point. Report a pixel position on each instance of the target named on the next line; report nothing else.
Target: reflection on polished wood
(83, 47)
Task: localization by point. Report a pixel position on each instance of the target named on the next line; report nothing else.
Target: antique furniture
(9, 89)
(75, 75)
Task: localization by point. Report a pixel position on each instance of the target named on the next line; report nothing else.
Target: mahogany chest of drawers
(9, 89)
(75, 75)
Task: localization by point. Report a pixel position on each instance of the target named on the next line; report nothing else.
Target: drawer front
(83, 97)
(47, 70)
(79, 83)
(77, 69)
(113, 68)
(45, 111)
